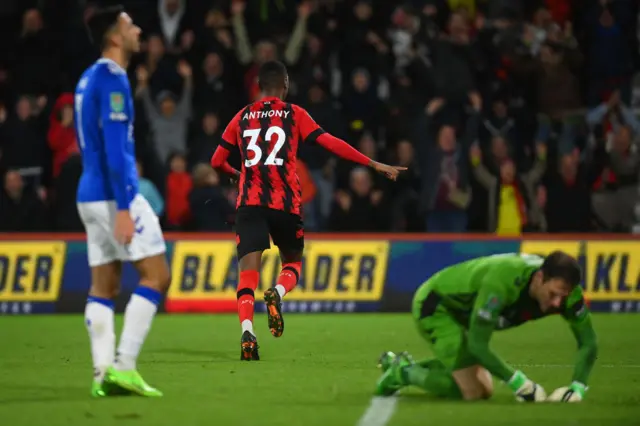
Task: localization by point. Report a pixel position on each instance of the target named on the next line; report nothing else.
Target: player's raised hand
(391, 172)
(124, 227)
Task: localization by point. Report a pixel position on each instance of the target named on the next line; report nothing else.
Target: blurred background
(512, 115)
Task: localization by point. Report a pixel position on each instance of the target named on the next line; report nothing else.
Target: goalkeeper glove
(524, 389)
(573, 393)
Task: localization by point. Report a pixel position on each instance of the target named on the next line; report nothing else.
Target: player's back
(458, 285)
(103, 95)
(268, 137)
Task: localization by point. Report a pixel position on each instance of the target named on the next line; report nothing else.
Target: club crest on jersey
(490, 308)
(116, 100)
(492, 303)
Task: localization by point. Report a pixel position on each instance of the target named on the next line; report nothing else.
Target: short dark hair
(272, 75)
(101, 22)
(560, 265)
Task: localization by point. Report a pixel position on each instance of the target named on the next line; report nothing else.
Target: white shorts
(98, 218)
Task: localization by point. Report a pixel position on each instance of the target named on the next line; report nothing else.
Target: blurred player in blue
(120, 224)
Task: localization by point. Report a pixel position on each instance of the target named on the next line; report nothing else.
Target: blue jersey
(104, 126)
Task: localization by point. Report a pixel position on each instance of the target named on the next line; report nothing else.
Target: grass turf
(321, 372)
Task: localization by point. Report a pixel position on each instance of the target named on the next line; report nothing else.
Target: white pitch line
(379, 412)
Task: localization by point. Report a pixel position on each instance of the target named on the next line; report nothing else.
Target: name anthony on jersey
(264, 114)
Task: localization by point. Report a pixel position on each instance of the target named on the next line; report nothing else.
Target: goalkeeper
(458, 309)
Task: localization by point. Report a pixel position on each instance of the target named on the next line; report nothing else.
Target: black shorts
(254, 225)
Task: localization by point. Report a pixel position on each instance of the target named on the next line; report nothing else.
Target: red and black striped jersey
(268, 133)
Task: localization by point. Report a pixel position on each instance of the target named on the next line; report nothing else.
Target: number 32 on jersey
(272, 157)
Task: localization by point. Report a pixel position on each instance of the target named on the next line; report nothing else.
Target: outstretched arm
(343, 149)
(311, 132)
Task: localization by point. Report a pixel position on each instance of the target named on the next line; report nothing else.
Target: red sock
(289, 276)
(246, 296)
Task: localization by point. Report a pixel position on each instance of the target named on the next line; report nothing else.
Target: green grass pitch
(321, 372)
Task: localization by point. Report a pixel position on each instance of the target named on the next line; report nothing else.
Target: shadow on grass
(193, 353)
(15, 394)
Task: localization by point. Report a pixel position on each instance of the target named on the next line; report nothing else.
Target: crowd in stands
(512, 115)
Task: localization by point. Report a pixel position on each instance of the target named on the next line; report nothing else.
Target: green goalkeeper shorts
(446, 337)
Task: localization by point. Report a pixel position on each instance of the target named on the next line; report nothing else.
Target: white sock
(281, 290)
(138, 317)
(98, 317)
(247, 325)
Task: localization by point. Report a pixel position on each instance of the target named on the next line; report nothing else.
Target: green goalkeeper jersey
(492, 293)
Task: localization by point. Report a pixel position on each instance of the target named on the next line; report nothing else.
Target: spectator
(160, 68)
(265, 50)
(362, 108)
(77, 50)
(62, 135)
(64, 206)
(568, 207)
(402, 108)
(210, 209)
(360, 208)
(404, 193)
(218, 37)
(24, 144)
(511, 196)
(364, 45)
(557, 85)
(615, 206)
(367, 145)
(35, 66)
(149, 191)
(314, 66)
(179, 186)
(169, 119)
(172, 21)
(455, 60)
(318, 160)
(445, 186)
(216, 92)
(613, 111)
(207, 140)
(21, 209)
(610, 43)
(500, 128)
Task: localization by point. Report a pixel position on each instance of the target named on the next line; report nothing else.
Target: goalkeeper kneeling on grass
(458, 309)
